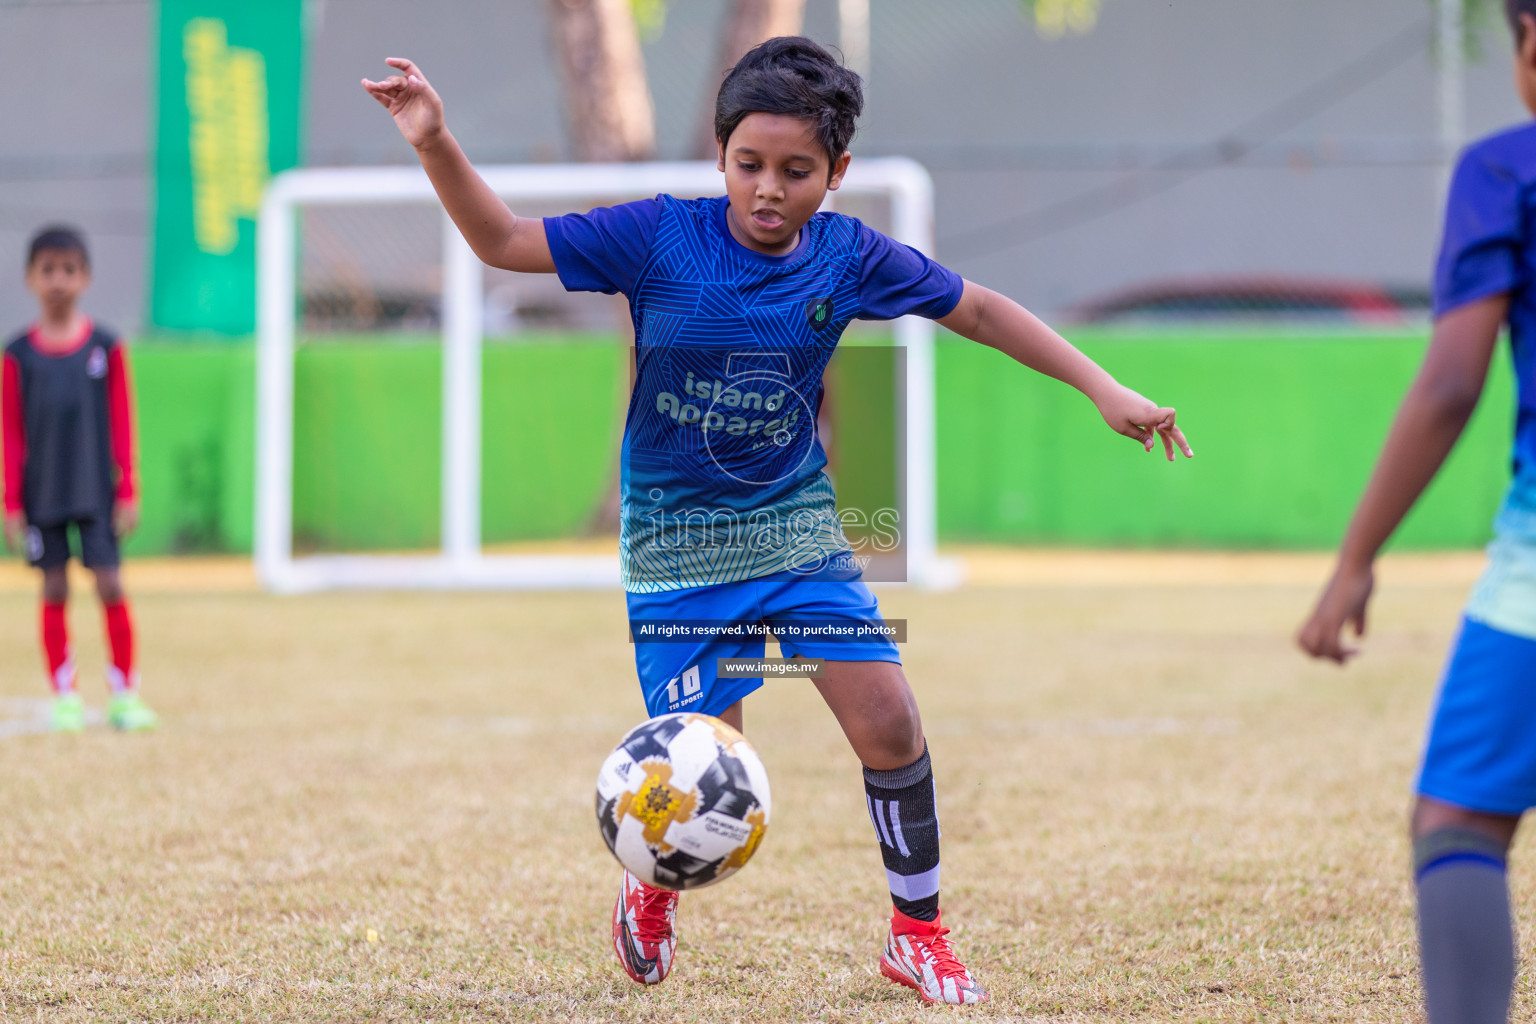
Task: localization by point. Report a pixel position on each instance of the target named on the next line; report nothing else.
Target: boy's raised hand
(1137, 417)
(410, 100)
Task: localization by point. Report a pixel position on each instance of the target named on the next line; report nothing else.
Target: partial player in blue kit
(1477, 776)
(727, 515)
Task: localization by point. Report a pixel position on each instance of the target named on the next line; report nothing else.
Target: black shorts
(48, 546)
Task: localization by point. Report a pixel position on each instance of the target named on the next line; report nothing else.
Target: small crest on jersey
(96, 363)
(818, 312)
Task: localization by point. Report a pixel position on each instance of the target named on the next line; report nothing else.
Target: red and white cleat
(645, 930)
(918, 956)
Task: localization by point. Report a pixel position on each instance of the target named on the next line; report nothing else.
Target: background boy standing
(69, 463)
(1478, 774)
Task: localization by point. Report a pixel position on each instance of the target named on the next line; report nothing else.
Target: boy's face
(58, 277)
(776, 176)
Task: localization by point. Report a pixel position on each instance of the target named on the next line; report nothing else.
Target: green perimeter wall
(1285, 431)
(1285, 427)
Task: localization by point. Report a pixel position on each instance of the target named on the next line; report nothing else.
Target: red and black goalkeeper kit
(69, 459)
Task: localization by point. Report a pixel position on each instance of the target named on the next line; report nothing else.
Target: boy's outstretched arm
(1431, 418)
(497, 235)
(998, 322)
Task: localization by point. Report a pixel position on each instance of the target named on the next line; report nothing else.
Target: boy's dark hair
(793, 76)
(1512, 10)
(57, 238)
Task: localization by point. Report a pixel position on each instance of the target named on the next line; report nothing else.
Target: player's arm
(497, 235)
(1429, 421)
(13, 450)
(998, 322)
(125, 503)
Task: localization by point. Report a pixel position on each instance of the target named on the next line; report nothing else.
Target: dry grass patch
(378, 807)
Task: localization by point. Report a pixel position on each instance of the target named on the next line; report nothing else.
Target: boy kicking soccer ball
(1478, 773)
(68, 455)
(727, 516)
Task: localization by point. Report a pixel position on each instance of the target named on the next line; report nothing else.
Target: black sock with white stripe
(901, 807)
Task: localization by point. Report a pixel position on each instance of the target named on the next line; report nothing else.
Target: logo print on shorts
(96, 364)
(818, 312)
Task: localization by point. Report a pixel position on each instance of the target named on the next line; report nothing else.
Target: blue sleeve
(1480, 250)
(604, 250)
(896, 279)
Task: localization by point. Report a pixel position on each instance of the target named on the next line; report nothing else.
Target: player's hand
(411, 101)
(1343, 603)
(1130, 414)
(125, 518)
(15, 531)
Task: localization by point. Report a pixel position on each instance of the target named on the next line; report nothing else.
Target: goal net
(362, 279)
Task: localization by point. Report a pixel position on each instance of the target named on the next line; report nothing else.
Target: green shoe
(68, 713)
(128, 713)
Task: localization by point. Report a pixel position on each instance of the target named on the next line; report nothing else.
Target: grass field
(369, 807)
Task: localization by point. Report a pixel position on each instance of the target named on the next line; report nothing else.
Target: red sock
(61, 664)
(120, 638)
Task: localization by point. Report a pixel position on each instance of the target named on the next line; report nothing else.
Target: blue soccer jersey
(1489, 247)
(721, 469)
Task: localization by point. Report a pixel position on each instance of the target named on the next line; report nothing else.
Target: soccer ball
(683, 801)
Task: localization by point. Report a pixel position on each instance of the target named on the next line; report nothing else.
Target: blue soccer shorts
(1481, 748)
(682, 676)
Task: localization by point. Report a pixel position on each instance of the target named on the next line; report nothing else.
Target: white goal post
(461, 563)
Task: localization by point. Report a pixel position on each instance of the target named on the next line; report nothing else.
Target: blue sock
(1466, 936)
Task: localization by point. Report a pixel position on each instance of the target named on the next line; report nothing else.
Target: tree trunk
(608, 106)
(750, 22)
(607, 100)
(753, 21)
